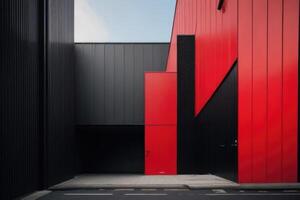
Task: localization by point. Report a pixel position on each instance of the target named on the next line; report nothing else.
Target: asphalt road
(174, 194)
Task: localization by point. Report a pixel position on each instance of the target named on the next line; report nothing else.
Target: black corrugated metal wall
(206, 142)
(21, 81)
(110, 81)
(61, 151)
(110, 103)
(38, 146)
(19, 96)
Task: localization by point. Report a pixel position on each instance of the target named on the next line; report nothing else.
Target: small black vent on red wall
(220, 4)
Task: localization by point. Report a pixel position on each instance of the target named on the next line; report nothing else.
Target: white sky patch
(88, 25)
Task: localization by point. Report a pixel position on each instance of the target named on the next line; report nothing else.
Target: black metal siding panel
(188, 139)
(217, 123)
(110, 81)
(160, 53)
(138, 84)
(19, 97)
(157, 55)
(148, 57)
(106, 149)
(119, 85)
(98, 80)
(89, 82)
(164, 55)
(61, 151)
(129, 83)
(81, 77)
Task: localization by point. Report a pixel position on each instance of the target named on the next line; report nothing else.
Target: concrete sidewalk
(94, 181)
(143, 181)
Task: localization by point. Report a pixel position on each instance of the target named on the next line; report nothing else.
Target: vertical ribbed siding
(110, 81)
(61, 151)
(268, 33)
(19, 97)
(20, 92)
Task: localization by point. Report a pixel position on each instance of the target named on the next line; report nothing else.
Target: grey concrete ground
(143, 181)
(172, 194)
(187, 187)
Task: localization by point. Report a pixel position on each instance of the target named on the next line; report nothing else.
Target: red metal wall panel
(245, 92)
(210, 27)
(259, 120)
(160, 98)
(290, 90)
(268, 90)
(216, 42)
(160, 149)
(160, 123)
(274, 105)
(263, 34)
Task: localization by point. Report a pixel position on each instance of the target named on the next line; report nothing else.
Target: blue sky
(123, 20)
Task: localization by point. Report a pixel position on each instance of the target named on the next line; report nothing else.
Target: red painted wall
(216, 42)
(263, 35)
(160, 150)
(160, 123)
(160, 98)
(268, 90)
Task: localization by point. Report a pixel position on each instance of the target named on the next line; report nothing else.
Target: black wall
(188, 140)
(112, 149)
(36, 95)
(19, 97)
(61, 148)
(206, 142)
(110, 103)
(110, 81)
(216, 124)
